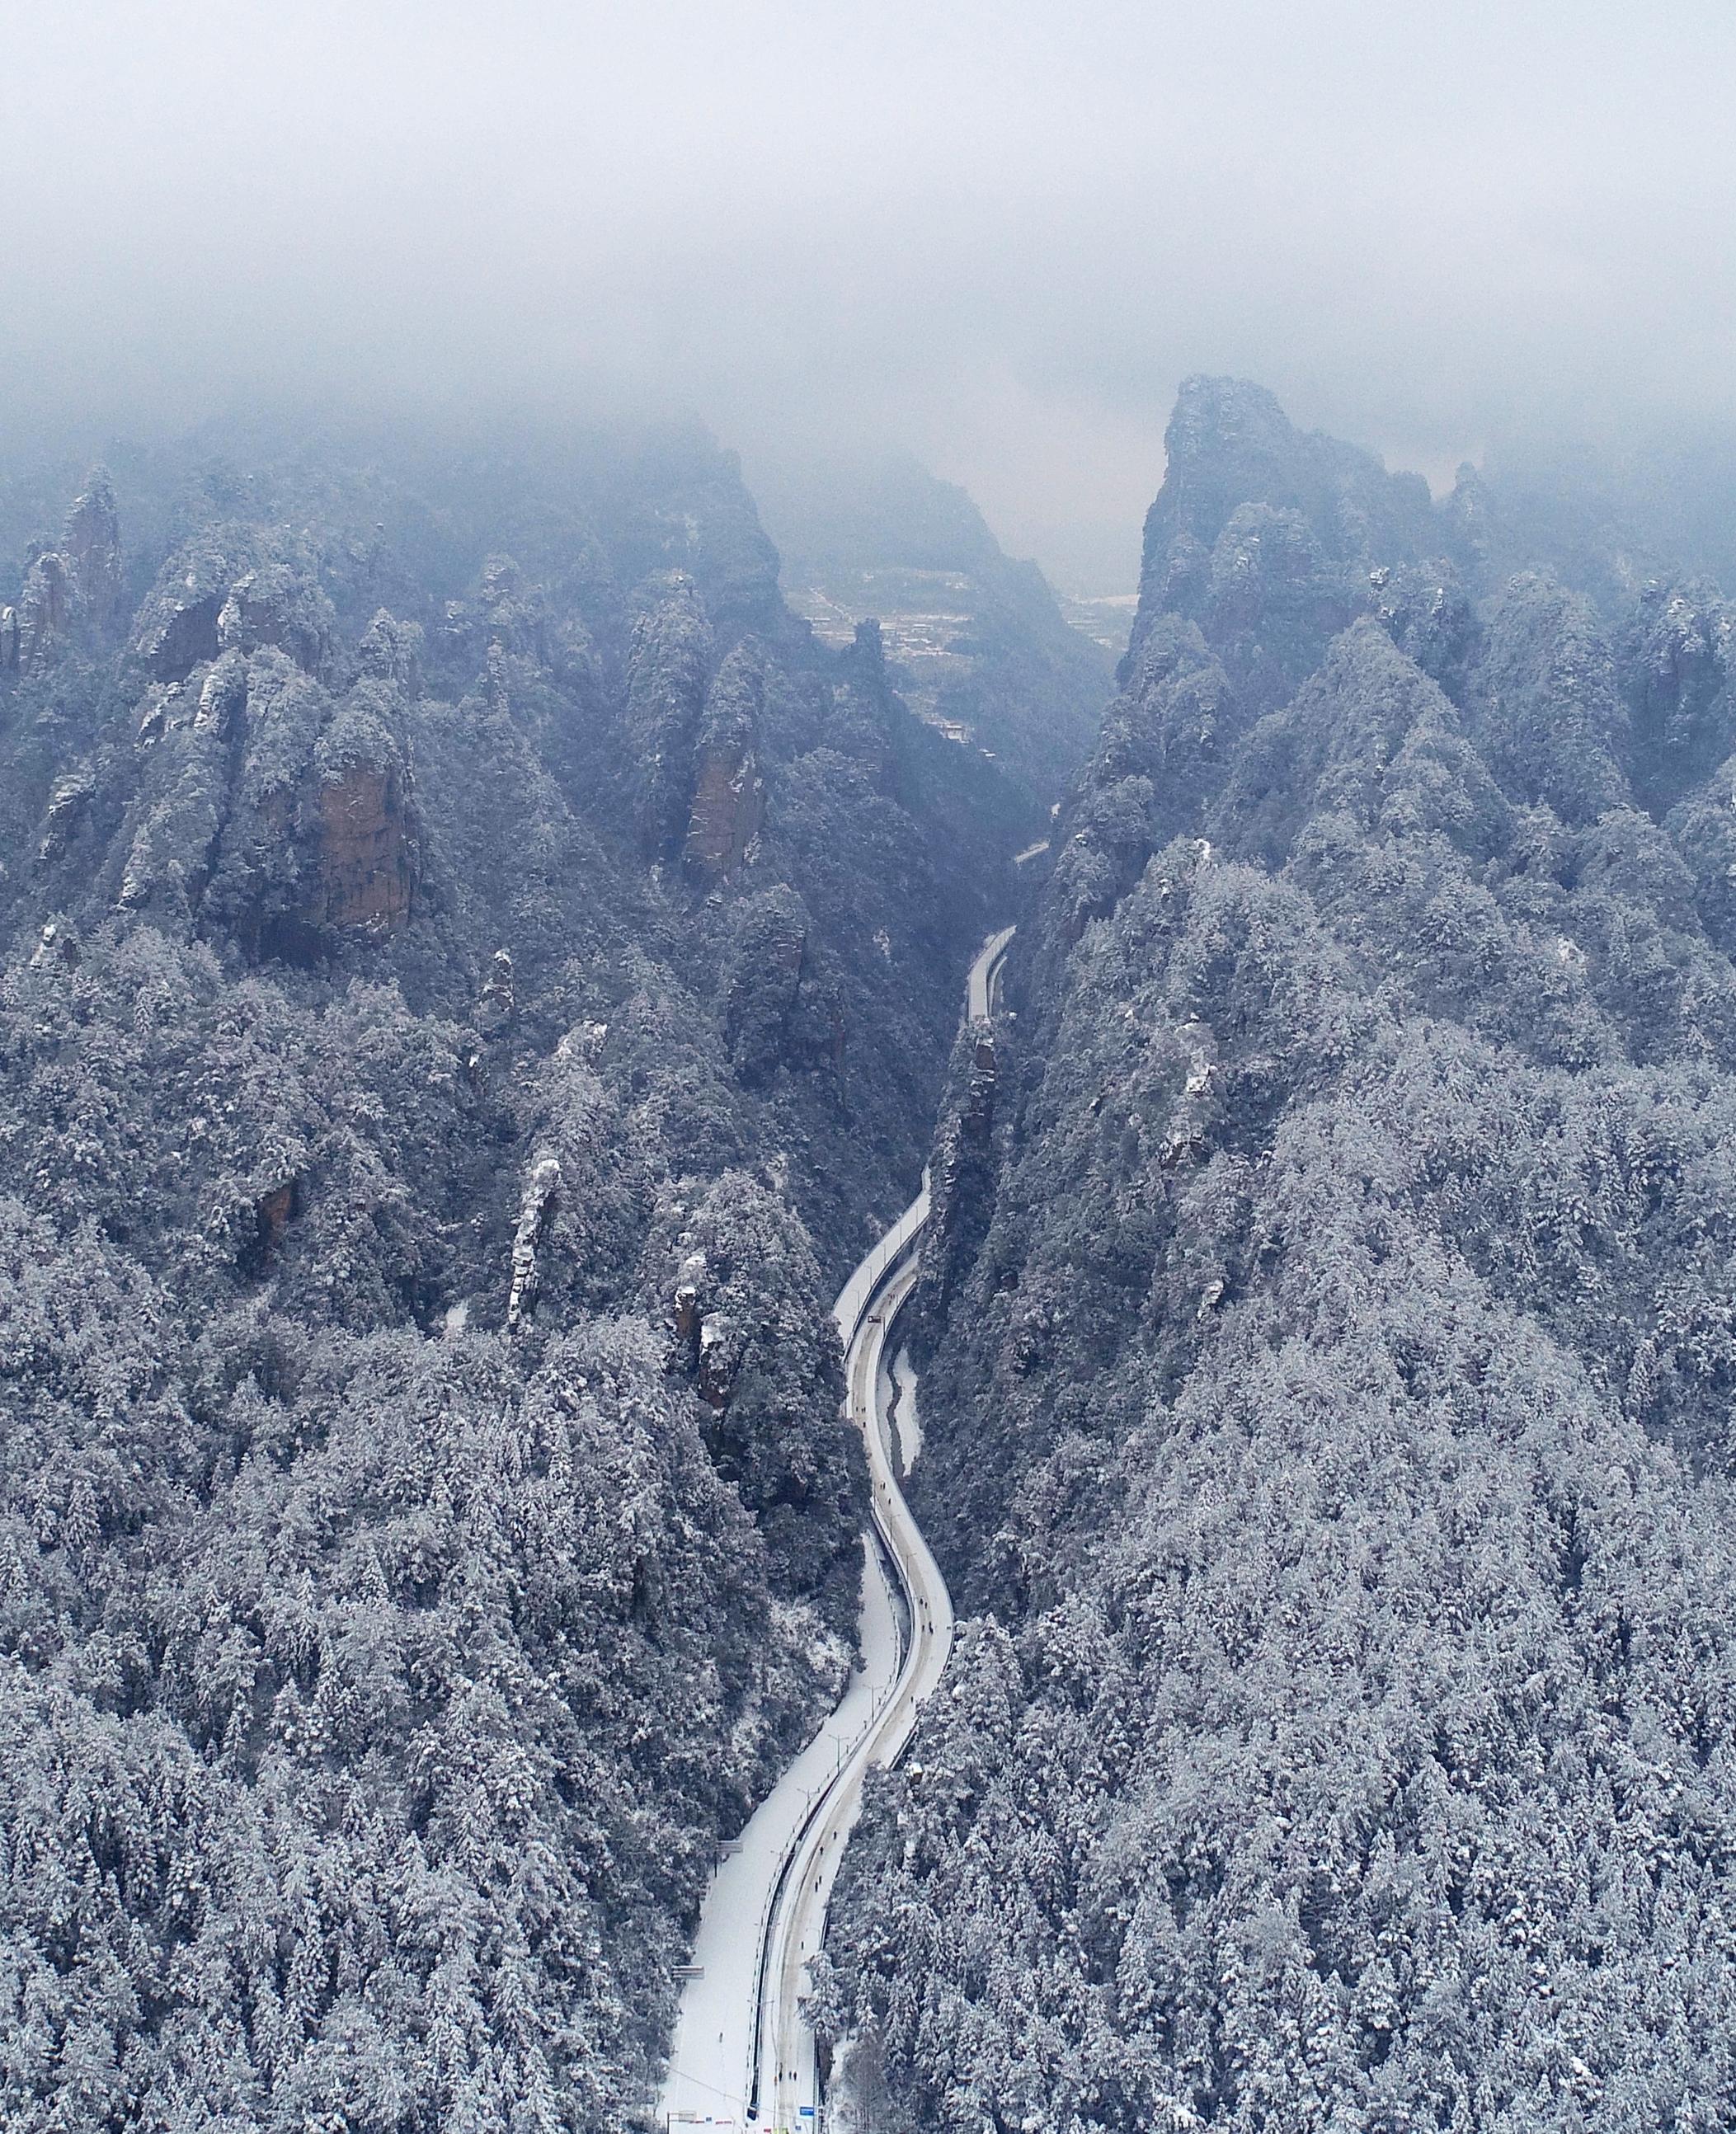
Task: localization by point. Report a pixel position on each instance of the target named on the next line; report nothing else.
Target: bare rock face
(91, 545)
(274, 604)
(666, 695)
(272, 813)
(391, 651)
(497, 1002)
(59, 945)
(177, 629)
(222, 698)
(45, 611)
(273, 1212)
(684, 1312)
(72, 594)
(962, 1174)
(781, 1008)
(234, 589)
(366, 863)
(188, 637)
(721, 1342)
(728, 804)
(709, 1340)
(67, 804)
(728, 808)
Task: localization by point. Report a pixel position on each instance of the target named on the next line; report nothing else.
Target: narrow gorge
(480, 971)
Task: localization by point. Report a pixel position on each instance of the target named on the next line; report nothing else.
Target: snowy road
(743, 2055)
(985, 973)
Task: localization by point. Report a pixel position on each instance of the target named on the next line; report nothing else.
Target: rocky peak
(1466, 512)
(1228, 443)
(869, 649)
(687, 511)
(91, 543)
(239, 588)
(1547, 709)
(1426, 612)
(1265, 534)
(177, 626)
(45, 615)
(273, 605)
(730, 795)
(391, 651)
(1677, 659)
(71, 593)
(669, 664)
(512, 610)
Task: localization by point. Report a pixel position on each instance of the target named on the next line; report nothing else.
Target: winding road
(743, 2056)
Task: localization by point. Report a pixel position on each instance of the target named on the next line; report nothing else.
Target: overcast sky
(996, 234)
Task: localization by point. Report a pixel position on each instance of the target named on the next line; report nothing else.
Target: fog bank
(994, 235)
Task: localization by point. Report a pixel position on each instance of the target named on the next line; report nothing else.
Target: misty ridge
(868, 1072)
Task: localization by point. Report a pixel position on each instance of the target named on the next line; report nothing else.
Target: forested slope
(1330, 1312)
(472, 972)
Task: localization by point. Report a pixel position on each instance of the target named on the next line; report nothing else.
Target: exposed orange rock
(367, 855)
(275, 1209)
(728, 808)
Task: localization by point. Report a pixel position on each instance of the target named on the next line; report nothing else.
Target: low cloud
(998, 235)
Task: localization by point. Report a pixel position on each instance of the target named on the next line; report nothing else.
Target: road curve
(982, 986)
(764, 1917)
(788, 2073)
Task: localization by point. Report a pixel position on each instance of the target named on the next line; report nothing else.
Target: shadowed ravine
(743, 2053)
